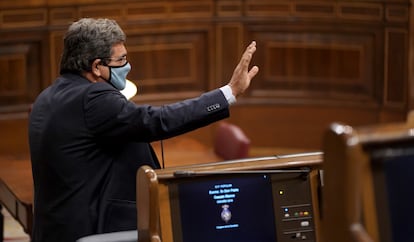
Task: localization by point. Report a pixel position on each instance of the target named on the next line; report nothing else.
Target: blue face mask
(118, 74)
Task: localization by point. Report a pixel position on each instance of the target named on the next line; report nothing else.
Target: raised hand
(242, 76)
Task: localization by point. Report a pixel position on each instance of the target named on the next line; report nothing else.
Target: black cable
(162, 144)
(162, 154)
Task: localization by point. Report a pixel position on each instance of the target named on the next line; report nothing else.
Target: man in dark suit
(87, 140)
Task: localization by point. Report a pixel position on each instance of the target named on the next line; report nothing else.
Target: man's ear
(95, 69)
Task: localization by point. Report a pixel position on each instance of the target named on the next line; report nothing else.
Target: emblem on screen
(225, 213)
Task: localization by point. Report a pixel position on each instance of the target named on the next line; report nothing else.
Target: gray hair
(87, 40)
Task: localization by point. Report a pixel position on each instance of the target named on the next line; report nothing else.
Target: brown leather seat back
(230, 142)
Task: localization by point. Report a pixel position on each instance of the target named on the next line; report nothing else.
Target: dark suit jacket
(87, 142)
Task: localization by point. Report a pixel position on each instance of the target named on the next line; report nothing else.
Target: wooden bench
(16, 191)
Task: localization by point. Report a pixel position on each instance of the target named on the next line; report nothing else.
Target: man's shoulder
(78, 82)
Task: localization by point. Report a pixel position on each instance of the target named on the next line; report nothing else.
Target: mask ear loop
(102, 63)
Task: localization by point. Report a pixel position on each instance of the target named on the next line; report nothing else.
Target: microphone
(190, 173)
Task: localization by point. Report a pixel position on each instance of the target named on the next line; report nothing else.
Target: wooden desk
(159, 200)
(182, 151)
(16, 183)
(16, 191)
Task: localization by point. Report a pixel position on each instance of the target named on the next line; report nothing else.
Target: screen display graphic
(229, 209)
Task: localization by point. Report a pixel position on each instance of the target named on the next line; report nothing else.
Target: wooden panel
(315, 9)
(396, 67)
(229, 8)
(147, 11)
(268, 8)
(19, 77)
(21, 3)
(170, 10)
(14, 135)
(53, 3)
(294, 126)
(62, 16)
(229, 48)
(170, 61)
(397, 13)
(113, 11)
(13, 64)
(23, 18)
(56, 50)
(316, 63)
(361, 11)
(190, 9)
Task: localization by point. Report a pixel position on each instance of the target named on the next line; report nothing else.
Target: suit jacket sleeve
(109, 115)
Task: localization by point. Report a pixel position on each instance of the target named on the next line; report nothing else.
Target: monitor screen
(242, 208)
(394, 193)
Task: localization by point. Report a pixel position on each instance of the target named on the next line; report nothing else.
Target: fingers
(252, 73)
(244, 63)
(252, 46)
(242, 76)
(247, 57)
(248, 54)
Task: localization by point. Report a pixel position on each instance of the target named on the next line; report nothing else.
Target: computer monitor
(256, 207)
(262, 200)
(392, 172)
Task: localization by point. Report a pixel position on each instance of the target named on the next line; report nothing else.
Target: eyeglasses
(118, 60)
